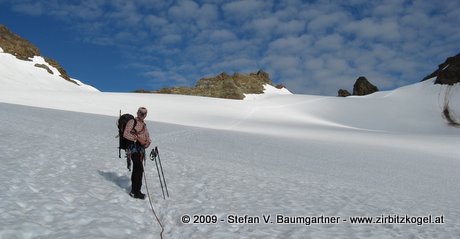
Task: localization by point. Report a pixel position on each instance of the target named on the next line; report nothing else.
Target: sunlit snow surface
(390, 153)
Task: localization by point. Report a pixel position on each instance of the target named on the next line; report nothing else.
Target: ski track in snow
(68, 182)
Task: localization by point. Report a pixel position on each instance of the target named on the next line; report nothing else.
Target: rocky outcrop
(44, 67)
(16, 45)
(361, 87)
(24, 50)
(448, 73)
(343, 93)
(224, 86)
(280, 86)
(61, 69)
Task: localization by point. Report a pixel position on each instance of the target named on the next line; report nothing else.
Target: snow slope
(24, 76)
(390, 153)
(269, 91)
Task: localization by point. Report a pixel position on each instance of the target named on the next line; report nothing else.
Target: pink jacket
(141, 134)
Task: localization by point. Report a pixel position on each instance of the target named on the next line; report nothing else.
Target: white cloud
(329, 43)
(221, 36)
(232, 65)
(184, 10)
(290, 45)
(34, 9)
(314, 64)
(374, 30)
(318, 46)
(286, 66)
(88, 10)
(263, 26)
(207, 16)
(171, 39)
(292, 27)
(323, 21)
(153, 22)
(244, 9)
(339, 65)
(167, 77)
(389, 8)
(240, 47)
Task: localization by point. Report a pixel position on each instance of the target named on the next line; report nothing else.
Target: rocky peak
(24, 50)
(361, 87)
(225, 85)
(448, 73)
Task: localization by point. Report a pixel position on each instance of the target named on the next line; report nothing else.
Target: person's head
(141, 112)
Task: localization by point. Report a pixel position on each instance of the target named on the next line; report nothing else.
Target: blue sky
(313, 47)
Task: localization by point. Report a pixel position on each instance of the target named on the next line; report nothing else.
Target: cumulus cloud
(374, 30)
(171, 39)
(328, 43)
(184, 10)
(219, 35)
(290, 45)
(324, 22)
(34, 9)
(245, 9)
(313, 47)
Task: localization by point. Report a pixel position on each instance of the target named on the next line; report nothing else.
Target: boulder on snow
(343, 93)
(448, 73)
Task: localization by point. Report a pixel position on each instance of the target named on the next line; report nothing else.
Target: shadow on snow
(123, 181)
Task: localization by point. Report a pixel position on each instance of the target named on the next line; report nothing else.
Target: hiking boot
(137, 195)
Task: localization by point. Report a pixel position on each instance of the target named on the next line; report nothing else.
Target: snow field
(69, 181)
(389, 153)
(278, 178)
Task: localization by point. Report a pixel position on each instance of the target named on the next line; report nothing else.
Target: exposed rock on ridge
(448, 73)
(343, 93)
(24, 50)
(361, 87)
(224, 86)
(16, 45)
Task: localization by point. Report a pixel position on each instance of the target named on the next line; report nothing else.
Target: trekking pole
(159, 178)
(153, 157)
(161, 167)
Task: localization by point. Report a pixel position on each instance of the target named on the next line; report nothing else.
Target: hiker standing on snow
(140, 140)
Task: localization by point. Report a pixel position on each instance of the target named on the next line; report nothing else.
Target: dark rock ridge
(361, 87)
(223, 86)
(24, 50)
(448, 73)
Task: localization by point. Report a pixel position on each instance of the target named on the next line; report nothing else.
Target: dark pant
(137, 157)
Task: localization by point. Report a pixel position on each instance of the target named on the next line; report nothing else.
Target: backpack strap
(134, 126)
